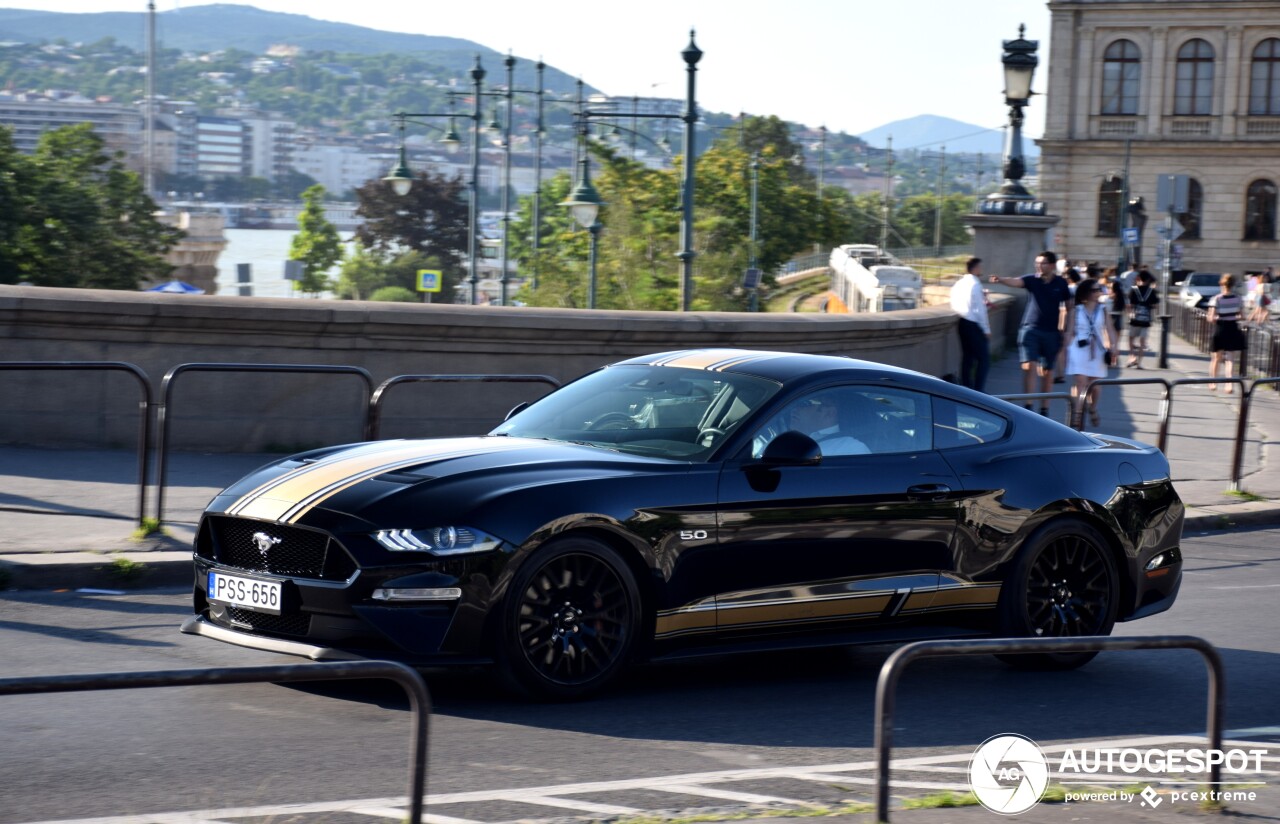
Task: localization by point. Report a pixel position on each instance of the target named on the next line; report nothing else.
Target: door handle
(928, 492)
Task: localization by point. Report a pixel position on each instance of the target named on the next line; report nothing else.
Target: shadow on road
(817, 698)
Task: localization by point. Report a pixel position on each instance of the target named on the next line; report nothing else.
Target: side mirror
(790, 449)
(516, 410)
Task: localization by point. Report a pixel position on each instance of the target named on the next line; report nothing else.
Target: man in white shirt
(818, 417)
(969, 301)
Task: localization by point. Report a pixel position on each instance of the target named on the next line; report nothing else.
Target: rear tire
(570, 620)
(1063, 584)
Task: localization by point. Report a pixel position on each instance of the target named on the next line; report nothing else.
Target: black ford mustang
(695, 502)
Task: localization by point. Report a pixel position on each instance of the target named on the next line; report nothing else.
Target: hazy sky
(851, 64)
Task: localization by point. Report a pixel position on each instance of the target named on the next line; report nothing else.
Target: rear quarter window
(959, 424)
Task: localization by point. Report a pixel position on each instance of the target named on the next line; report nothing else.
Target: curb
(76, 570)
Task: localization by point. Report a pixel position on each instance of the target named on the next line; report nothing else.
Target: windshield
(662, 411)
(1207, 279)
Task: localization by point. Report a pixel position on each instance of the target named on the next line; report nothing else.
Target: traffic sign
(751, 279)
(1130, 236)
(429, 280)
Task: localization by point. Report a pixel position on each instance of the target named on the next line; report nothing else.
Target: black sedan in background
(694, 502)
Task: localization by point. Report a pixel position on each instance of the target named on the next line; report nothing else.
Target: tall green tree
(73, 215)
(432, 218)
(316, 244)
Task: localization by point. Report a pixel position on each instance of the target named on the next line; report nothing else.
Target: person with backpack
(1142, 299)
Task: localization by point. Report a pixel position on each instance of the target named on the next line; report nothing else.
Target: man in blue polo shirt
(1040, 336)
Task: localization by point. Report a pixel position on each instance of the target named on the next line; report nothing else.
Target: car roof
(777, 366)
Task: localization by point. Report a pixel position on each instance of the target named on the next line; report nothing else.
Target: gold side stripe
(807, 611)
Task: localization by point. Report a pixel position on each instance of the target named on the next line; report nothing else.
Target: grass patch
(148, 527)
(941, 800)
(123, 569)
(1242, 495)
(743, 815)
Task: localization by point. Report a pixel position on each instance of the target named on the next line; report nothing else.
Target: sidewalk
(67, 516)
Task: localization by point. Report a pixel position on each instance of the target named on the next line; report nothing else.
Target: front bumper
(329, 612)
(200, 625)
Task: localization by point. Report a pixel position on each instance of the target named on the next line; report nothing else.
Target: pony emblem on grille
(264, 542)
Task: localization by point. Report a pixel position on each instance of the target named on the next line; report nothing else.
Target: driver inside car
(817, 416)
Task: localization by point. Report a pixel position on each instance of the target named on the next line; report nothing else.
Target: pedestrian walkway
(67, 517)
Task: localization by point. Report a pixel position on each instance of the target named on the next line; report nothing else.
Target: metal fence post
(414, 687)
(891, 672)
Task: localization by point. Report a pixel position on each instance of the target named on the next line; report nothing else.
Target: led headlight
(444, 540)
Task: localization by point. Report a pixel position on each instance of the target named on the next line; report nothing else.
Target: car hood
(351, 479)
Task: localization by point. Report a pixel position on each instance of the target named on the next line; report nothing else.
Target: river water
(265, 250)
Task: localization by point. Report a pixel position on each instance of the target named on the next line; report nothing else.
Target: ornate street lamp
(584, 204)
(1020, 63)
(582, 193)
(401, 178)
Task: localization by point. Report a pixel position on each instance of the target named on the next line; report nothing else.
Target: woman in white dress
(1090, 342)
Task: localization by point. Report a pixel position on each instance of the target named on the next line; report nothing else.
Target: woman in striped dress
(1224, 314)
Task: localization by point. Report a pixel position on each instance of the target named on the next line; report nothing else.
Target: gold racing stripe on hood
(291, 496)
(322, 465)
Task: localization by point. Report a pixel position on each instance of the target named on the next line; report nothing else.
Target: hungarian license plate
(249, 593)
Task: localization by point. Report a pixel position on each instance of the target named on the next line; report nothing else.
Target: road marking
(688, 783)
(727, 795)
(575, 804)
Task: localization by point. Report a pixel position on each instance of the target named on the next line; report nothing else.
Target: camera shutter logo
(1008, 774)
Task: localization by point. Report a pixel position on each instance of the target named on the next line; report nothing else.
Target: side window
(958, 424)
(855, 420)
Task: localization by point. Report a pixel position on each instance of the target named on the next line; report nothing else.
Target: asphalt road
(209, 748)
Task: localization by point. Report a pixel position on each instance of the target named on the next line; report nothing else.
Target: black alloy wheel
(570, 620)
(1063, 584)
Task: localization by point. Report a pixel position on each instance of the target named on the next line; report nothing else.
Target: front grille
(298, 623)
(292, 551)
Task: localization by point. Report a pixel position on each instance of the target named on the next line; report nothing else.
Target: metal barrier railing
(1078, 404)
(1020, 397)
(891, 673)
(376, 399)
(166, 395)
(414, 687)
(144, 406)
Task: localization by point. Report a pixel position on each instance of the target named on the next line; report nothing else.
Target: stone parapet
(215, 411)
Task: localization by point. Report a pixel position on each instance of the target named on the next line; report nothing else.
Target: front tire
(569, 620)
(1063, 584)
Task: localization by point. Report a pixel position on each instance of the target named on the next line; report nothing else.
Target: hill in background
(928, 131)
(222, 26)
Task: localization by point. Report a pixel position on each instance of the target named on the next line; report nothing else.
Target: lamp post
(753, 273)
(1020, 61)
(538, 131)
(691, 54)
(584, 204)
(401, 178)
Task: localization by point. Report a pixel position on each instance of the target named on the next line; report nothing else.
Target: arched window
(1264, 82)
(1260, 211)
(1194, 91)
(1190, 219)
(1110, 203)
(1121, 77)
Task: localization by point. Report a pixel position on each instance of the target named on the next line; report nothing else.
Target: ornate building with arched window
(1143, 88)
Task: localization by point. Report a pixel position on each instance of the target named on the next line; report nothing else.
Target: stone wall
(221, 411)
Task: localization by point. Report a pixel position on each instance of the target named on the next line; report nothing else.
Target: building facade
(31, 115)
(1139, 89)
